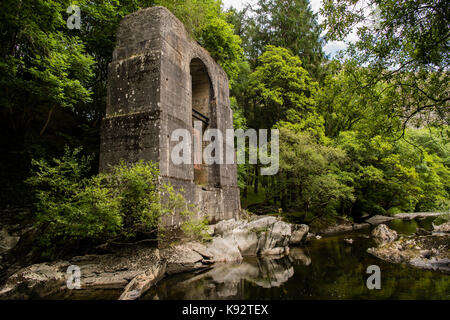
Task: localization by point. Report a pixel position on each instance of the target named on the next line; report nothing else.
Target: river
(329, 268)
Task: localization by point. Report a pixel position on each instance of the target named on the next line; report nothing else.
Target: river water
(329, 268)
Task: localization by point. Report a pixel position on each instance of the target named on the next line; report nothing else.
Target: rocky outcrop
(378, 219)
(187, 257)
(445, 227)
(263, 236)
(109, 271)
(427, 252)
(136, 268)
(35, 281)
(142, 282)
(7, 241)
(299, 233)
(382, 234)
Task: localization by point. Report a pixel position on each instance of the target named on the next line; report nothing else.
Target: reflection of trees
(404, 226)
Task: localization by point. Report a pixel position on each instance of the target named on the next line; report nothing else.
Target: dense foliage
(53, 79)
(365, 133)
(123, 204)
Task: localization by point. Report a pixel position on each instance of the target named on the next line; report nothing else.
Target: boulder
(378, 219)
(445, 227)
(426, 252)
(225, 249)
(261, 224)
(246, 240)
(35, 281)
(383, 234)
(7, 241)
(186, 257)
(310, 236)
(348, 240)
(226, 226)
(265, 236)
(276, 239)
(299, 233)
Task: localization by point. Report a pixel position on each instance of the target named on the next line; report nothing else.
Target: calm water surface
(329, 268)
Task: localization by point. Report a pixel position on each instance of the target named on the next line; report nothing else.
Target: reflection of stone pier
(228, 280)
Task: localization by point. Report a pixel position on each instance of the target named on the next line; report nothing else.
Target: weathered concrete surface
(157, 76)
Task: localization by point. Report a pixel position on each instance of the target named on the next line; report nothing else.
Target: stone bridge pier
(159, 80)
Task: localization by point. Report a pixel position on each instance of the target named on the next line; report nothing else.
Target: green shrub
(127, 201)
(137, 189)
(71, 206)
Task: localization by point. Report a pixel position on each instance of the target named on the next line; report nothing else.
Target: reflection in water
(329, 268)
(226, 281)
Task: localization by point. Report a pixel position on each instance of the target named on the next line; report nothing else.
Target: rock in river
(383, 234)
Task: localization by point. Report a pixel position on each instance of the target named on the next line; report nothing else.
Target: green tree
(310, 179)
(348, 102)
(406, 45)
(288, 24)
(392, 176)
(279, 84)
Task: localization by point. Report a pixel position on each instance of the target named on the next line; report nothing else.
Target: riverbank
(137, 268)
(329, 268)
(425, 249)
(132, 270)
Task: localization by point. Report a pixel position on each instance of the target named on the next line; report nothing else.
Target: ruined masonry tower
(160, 80)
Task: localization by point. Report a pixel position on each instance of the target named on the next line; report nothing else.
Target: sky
(331, 48)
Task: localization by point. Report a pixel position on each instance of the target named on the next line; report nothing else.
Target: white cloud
(332, 47)
(238, 4)
(315, 5)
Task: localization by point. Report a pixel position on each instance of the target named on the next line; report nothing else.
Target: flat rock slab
(110, 271)
(378, 219)
(343, 228)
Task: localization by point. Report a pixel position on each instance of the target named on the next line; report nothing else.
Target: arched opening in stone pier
(204, 114)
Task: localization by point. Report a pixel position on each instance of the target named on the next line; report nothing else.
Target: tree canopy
(364, 133)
